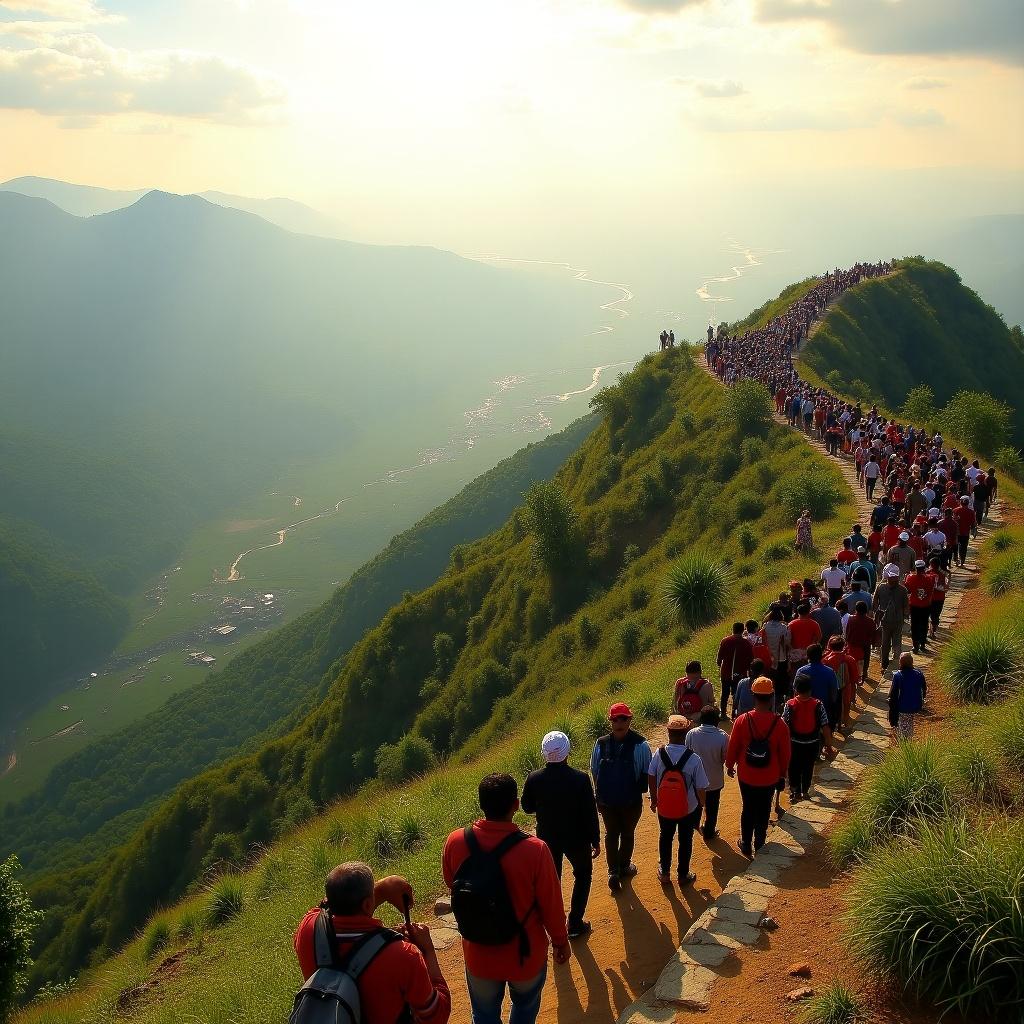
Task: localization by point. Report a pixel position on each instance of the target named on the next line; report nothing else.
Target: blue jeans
(486, 997)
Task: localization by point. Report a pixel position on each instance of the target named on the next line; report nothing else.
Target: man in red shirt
(751, 734)
(846, 555)
(404, 976)
(536, 896)
(921, 587)
(734, 657)
(965, 526)
(803, 631)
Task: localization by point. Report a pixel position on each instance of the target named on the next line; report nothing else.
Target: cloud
(82, 11)
(983, 28)
(918, 118)
(926, 82)
(718, 90)
(80, 75)
(660, 6)
(783, 119)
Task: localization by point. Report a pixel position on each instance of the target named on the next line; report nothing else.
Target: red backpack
(673, 796)
(803, 718)
(690, 701)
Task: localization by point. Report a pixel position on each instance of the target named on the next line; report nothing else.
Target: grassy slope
(677, 433)
(93, 800)
(886, 329)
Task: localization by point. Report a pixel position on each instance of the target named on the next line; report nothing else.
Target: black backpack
(331, 993)
(759, 750)
(480, 897)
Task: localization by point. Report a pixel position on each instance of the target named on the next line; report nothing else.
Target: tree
(977, 420)
(919, 406)
(18, 920)
(554, 524)
(750, 407)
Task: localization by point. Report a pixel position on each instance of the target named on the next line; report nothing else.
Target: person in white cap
(920, 586)
(890, 605)
(902, 554)
(562, 797)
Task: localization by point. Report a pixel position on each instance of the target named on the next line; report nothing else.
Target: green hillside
(467, 658)
(94, 798)
(883, 331)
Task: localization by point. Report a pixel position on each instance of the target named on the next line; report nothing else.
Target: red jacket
(739, 740)
(397, 976)
(921, 587)
(734, 657)
(531, 879)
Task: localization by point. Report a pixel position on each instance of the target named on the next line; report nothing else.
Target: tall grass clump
(982, 661)
(158, 937)
(943, 914)
(1005, 575)
(226, 900)
(1002, 540)
(698, 587)
(909, 785)
(835, 1004)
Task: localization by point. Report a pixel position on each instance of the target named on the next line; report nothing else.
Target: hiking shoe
(577, 931)
(629, 871)
(613, 883)
(688, 879)
(664, 875)
(744, 848)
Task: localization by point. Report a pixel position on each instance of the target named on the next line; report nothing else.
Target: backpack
(759, 750)
(803, 719)
(330, 994)
(861, 573)
(690, 701)
(617, 784)
(673, 788)
(480, 898)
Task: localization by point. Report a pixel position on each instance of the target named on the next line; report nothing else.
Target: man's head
(892, 574)
(737, 629)
(906, 660)
(499, 797)
(763, 690)
(677, 726)
(621, 719)
(710, 715)
(863, 552)
(803, 609)
(349, 889)
(904, 537)
(833, 563)
(752, 626)
(694, 669)
(802, 683)
(920, 566)
(555, 747)
(814, 653)
(836, 643)
(756, 668)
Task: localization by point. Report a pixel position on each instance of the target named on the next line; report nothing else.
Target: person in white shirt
(834, 579)
(934, 538)
(709, 743)
(872, 471)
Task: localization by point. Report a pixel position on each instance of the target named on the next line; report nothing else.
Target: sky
(479, 125)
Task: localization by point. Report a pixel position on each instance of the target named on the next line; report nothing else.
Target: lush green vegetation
(18, 920)
(836, 1004)
(920, 322)
(461, 663)
(95, 798)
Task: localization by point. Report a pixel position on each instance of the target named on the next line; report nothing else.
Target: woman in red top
(861, 635)
(846, 666)
(939, 589)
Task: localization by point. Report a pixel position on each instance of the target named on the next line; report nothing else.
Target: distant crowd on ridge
(786, 684)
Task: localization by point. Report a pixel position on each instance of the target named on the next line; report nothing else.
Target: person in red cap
(619, 764)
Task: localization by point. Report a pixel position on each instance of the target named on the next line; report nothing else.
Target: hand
(395, 890)
(595, 852)
(419, 935)
(561, 953)
(731, 773)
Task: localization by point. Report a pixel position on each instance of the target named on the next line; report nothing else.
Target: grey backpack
(331, 994)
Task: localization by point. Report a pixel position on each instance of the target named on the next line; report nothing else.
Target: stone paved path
(707, 952)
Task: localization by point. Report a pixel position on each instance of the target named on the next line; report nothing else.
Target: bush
(747, 539)
(589, 633)
(597, 724)
(190, 924)
(410, 833)
(1005, 575)
(919, 407)
(630, 638)
(835, 1004)
(382, 841)
(1011, 462)
(752, 449)
(982, 661)
(158, 937)
(616, 686)
(748, 505)
(978, 420)
(554, 524)
(816, 490)
(639, 596)
(412, 755)
(226, 900)
(749, 407)
(778, 551)
(697, 587)
(650, 709)
(942, 913)
(1001, 540)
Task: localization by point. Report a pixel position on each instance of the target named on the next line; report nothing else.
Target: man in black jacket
(562, 797)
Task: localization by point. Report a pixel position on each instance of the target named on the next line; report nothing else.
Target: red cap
(619, 709)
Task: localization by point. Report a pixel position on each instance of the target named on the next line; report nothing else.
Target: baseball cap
(678, 722)
(762, 686)
(904, 535)
(964, 499)
(618, 710)
(891, 570)
(555, 747)
(861, 550)
(920, 564)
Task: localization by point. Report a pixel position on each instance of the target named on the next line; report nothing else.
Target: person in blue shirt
(906, 696)
(824, 683)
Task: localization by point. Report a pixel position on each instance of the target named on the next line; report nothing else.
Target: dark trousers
(935, 611)
(802, 760)
(712, 801)
(919, 625)
(869, 486)
(582, 874)
(620, 832)
(684, 827)
(961, 549)
(728, 687)
(756, 813)
(780, 677)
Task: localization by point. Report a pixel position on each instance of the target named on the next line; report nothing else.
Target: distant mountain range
(90, 201)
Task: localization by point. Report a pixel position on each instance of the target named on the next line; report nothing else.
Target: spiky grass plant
(835, 1004)
(942, 912)
(158, 937)
(1005, 575)
(982, 661)
(698, 587)
(226, 900)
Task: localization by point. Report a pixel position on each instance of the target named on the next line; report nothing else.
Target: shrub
(630, 639)
(554, 524)
(1011, 462)
(651, 709)
(749, 407)
(226, 899)
(1001, 540)
(616, 686)
(835, 1004)
(444, 655)
(977, 419)
(850, 841)
(747, 539)
(919, 406)
(725, 465)
(748, 505)
(777, 551)
(412, 755)
(382, 840)
(597, 724)
(410, 833)
(942, 913)
(815, 490)
(630, 555)
(1006, 575)
(589, 633)
(190, 924)
(975, 770)
(538, 616)
(980, 661)
(639, 596)
(697, 586)
(527, 759)
(566, 643)
(158, 937)
(752, 449)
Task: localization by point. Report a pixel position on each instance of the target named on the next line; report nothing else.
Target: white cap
(555, 747)
(920, 564)
(934, 513)
(904, 535)
(891, 570)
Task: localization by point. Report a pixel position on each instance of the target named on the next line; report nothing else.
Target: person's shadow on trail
(598, 1003)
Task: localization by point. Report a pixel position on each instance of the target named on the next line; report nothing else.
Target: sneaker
(663, 875)
(577, 931)
(687, 879)
(613, 883)
(629, 871)
(744, 848)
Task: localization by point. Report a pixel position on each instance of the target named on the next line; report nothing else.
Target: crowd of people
(786, 686)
